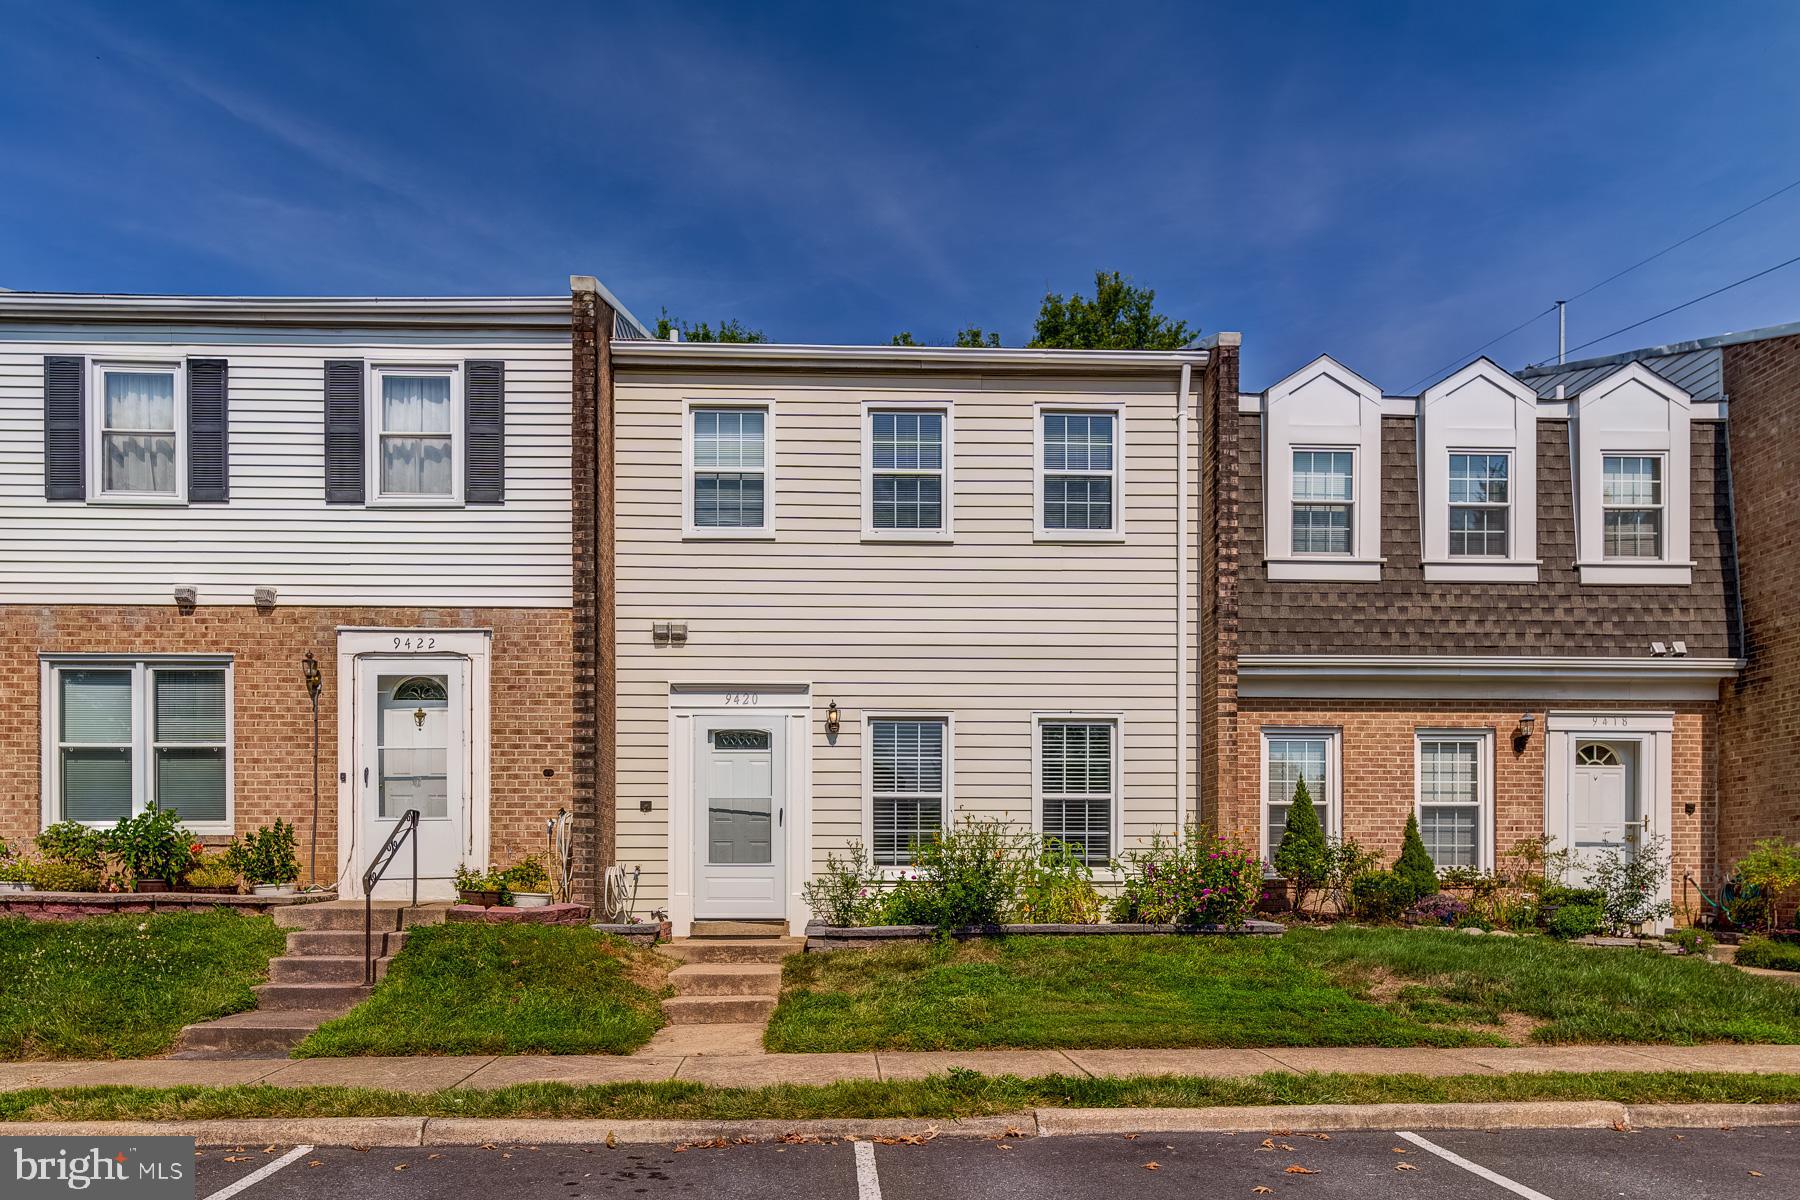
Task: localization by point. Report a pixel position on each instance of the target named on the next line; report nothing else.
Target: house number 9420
(415, 643)
(741, 699)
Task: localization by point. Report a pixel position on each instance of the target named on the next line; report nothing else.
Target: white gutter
(287, 310)
(751, 354)
(1181, 597)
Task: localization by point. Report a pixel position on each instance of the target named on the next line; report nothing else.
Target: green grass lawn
(1336, 987)
(957, 1094)
(504, 989)
(122, 987)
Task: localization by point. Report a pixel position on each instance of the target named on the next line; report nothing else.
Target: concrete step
(340, 915)
(727, 979)
(679, 1041)
(310, 995)
(323, 969)
(738, 929)
(431, 912)
(264, 1033)
(718, 1010)
(731, 950)
(346, 942)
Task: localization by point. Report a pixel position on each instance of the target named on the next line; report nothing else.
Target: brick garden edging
(548, 914)
(840, 937)
(69, 906)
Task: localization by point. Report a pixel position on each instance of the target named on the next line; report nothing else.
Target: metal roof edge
(285, 310)
(1707, 343)
(661, 353)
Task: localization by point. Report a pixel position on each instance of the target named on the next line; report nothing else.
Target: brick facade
(1760, 712)
(531, 702)
(1220, 488)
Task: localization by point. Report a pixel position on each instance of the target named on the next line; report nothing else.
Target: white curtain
(138, 442)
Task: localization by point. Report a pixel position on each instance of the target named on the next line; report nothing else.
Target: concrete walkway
(734, 1070)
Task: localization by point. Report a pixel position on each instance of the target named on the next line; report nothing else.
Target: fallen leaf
(431, 1156)
(504, 1154)
(1259, 1190)
(1131, 1137)
(1004, 1146)
(485, 1146)
(400, 1167)
(1297, 1169)
(237, 1158)
(1681, 1137)
(1620, 1127)
(1152, 1166)
(1405, 1167)
(612, 1143)
(1756, 1174)
(1401, 1150)
(1282, 1132)
(1267, 1144)
(268, 1149)
(315, 1163)
(1319, 1137)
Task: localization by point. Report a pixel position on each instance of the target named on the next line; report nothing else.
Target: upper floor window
(1078, 785)
(1631, 496)
(416, 423)
(908, 792)
(1324, 501)
(1480, 505)
(138, 439)
(908, 472)
(728, 488)
(1078, 474)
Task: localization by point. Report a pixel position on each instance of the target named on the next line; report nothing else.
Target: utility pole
(1562, 330)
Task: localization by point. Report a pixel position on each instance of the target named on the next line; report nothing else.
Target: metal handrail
(408, 824)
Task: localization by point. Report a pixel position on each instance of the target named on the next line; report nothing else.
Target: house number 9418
(415, 643)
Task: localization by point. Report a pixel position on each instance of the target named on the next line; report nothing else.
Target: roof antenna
(1562, 331)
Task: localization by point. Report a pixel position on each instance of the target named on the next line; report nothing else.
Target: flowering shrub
(1196, 880)
(969, 875)
(1440, 907)
(848, 893)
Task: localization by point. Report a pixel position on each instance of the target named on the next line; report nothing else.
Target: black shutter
(209, 432)
(344, 462)
(484, 432)
(65, 428)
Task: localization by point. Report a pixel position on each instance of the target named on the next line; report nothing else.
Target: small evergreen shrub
(1414, 866)
(1766, 952)
(1303, 857)
(1379, 896)
(1576, 920)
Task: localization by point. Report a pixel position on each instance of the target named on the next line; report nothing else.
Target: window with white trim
(1453, 785)
(1324, 502)
(122, 734)
(907, 456)
(1079, 473)
(908, 779)
(1288, 760)
(728, 486)
(1078, 785)
(416, 420)
(137, 433)
(1480, 505)
(1631, 501)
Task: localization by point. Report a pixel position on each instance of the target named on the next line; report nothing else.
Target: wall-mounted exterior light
(834, 720)
(1522, 734)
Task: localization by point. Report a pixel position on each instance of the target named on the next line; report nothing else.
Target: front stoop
(725, 989)
(318, 979)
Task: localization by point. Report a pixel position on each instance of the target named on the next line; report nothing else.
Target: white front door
(413, 753)
(1602, 808)
(740, 802)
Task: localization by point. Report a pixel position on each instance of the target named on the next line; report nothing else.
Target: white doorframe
(1652, 735)
(686, 701)
(358, 645)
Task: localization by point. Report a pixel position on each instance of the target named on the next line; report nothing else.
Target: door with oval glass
(413, 754)
(1603, 809)
(740, 799)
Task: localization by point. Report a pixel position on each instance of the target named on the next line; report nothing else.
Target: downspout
(1181, 598)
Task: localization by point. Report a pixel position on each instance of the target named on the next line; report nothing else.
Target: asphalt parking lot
(1706, 1164)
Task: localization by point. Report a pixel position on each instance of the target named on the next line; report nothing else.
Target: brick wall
(1220, 487)
(1760, 713)
(531, 703)
(1377, 745)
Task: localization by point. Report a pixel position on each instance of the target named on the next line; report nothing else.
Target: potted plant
(16, 875)
(153, 848)
(485, 888)
(212, 875)
(529, 883)
(267, 859)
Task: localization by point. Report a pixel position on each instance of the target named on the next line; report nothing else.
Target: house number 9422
(415, 643)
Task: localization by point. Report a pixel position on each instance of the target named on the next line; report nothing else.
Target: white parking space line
(868, 1186)
(261, 1173)
(1474, 1168)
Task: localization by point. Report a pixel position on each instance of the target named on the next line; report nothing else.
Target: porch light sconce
(1522, 735)
(309, 670)
(834, 720)
(265, 599)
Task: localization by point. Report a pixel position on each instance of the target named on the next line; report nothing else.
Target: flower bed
(68, 906)
(850, 937)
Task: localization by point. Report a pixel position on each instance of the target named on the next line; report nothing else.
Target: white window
(1324, 502)
(417, 415)
(1290, 757)
(121, 734)
(1078, 784)
(138, 432)
(1455, 777)
(1480, 505)
(906, 472)
(1631, 497)
(728, 491)
(908, 776)
(1079, 494)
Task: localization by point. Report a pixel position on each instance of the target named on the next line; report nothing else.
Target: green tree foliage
(1414, 866)
(1119, 316)
(904, 338)
(972, 338)
(732, 330)
(1303, 857)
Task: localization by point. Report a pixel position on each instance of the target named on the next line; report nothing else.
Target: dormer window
(1480, 505)
(1631, 496)
(1478, 477)
(1633, 451)
(1322, 456)
(1324, 501)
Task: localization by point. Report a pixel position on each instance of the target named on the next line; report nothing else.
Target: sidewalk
(760, 1070)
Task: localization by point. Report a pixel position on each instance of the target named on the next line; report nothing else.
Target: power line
(1615, 275)
(1685, 304)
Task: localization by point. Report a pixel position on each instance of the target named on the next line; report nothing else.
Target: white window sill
(169, 501)
(728, 535)
(413, 502)
(920, 537)
(1482, 570)
(1060, 537)
(1324, 570)
(1616, 573)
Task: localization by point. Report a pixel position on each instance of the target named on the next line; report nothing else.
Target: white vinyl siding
(277, 531)
(908, 778)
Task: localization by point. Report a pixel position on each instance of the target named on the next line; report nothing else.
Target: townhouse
(214, 511)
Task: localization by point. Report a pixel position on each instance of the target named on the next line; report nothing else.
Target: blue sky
(1392, 183)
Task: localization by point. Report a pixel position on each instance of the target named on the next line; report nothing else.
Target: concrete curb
(1044, 1122)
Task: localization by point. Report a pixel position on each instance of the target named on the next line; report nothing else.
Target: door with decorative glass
(414, 754)
(1603, 812)
(740, 816)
